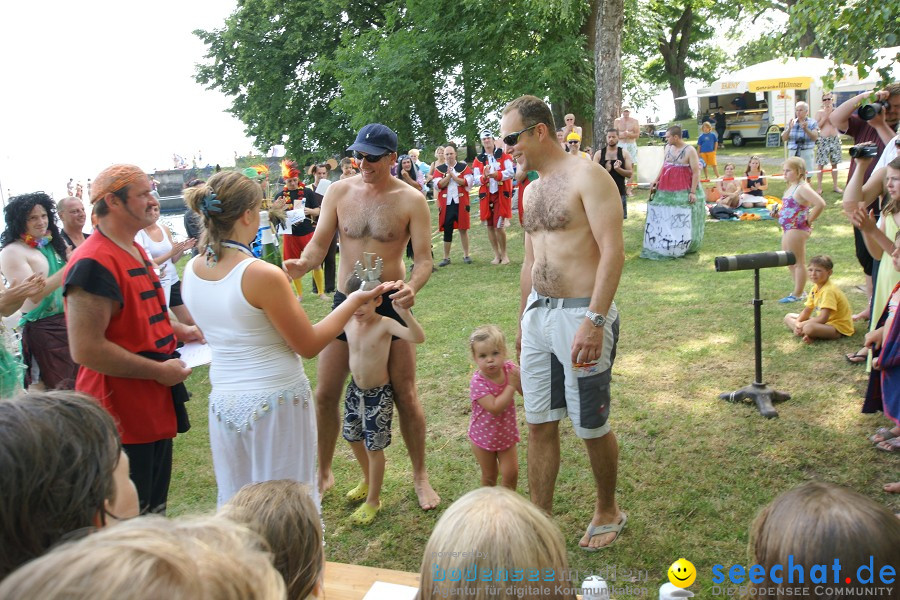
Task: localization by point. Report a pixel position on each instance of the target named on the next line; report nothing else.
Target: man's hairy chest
(382, 222)
(548, 205)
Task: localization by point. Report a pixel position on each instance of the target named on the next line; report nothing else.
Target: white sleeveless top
(250, 359)
(168, 275)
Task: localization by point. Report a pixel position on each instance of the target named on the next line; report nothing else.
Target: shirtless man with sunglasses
(376, 213)
(574, 256)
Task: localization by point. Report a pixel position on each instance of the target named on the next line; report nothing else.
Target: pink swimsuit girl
(792, 214)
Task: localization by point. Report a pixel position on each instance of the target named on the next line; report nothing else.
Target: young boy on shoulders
(834, 317)
(369, 405)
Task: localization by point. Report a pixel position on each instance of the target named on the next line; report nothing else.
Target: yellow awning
(782, 83)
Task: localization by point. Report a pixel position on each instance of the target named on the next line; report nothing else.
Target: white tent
(887, 57)
(778, 74)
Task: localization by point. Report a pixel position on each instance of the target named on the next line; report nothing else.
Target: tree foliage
(677, 43)
(317, 70)
(848, 33)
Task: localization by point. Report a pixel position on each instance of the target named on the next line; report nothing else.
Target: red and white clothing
(495, 192)
(455, 194)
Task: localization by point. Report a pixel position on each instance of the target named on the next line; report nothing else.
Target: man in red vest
(494, 170)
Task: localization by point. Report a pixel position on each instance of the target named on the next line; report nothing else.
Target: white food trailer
(760, 99)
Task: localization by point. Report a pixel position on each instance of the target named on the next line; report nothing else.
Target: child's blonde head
(153, 557)
(284, 514)
(798, 165)
(490, 334)
(822, 260)
(706, 127)
(819, 523)
(511, 532)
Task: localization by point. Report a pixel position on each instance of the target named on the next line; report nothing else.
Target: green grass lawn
(693, 469)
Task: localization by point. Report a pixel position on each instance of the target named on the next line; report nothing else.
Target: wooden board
(351, 582)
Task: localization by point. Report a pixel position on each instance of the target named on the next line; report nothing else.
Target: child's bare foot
(428, 498)
(838, 190)
(504, 260)
(496, 261)
(807, 339)
(819, 191)
(892, 488)
(862, 315)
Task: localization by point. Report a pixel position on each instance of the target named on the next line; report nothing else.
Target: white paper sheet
(296, 216)
(195, 354)
(390, 591)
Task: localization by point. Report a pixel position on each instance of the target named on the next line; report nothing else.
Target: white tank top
(248, 353)
(168, 275)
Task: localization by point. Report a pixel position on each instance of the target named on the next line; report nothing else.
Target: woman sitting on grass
(728, 188)
(754, 185)
(833, 319)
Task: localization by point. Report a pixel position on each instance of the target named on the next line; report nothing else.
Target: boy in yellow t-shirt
(833, 319)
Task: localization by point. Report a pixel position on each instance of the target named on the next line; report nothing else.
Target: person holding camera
(801, 135)
(878, 127)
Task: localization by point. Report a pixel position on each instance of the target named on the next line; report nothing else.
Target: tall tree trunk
(674, 52)
(682, 107)
(469, 127)
(610, 20)
(589, 30)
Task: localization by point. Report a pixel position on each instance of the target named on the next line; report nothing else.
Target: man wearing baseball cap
(494, 171)
(121, 335)
(375, 213)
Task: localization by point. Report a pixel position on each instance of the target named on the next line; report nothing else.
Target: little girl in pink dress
(493, 430)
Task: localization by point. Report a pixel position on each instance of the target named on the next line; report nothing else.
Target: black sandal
(856, 358)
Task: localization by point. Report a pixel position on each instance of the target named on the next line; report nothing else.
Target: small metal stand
(758, 391)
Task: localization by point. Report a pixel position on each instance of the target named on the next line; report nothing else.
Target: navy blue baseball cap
(375, 139)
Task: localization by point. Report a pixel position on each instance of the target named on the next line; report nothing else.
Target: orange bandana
(113, 179)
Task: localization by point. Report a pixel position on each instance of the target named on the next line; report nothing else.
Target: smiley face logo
(682, 573)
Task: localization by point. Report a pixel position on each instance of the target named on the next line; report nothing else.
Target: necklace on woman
(37, 243)
(238, 246)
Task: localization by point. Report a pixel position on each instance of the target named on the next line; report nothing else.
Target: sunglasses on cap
(573, 142)
(372, 158)
(827, 99)
(513, 138)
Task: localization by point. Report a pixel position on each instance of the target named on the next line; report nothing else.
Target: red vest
(462, 222)
(503, 196)
(142, 408)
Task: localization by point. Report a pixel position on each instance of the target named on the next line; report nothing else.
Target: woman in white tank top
(157, 242)
(262, 421)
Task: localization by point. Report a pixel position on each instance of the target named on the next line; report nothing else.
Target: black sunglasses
(827, 99)
(372, 158)
(513, 138)
(573, 142)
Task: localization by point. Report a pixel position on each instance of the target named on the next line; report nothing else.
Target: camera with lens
(863, 151)
(867, 112)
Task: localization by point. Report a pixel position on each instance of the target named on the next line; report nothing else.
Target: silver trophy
(369, 275)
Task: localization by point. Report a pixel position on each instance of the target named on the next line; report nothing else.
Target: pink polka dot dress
(487, 431)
